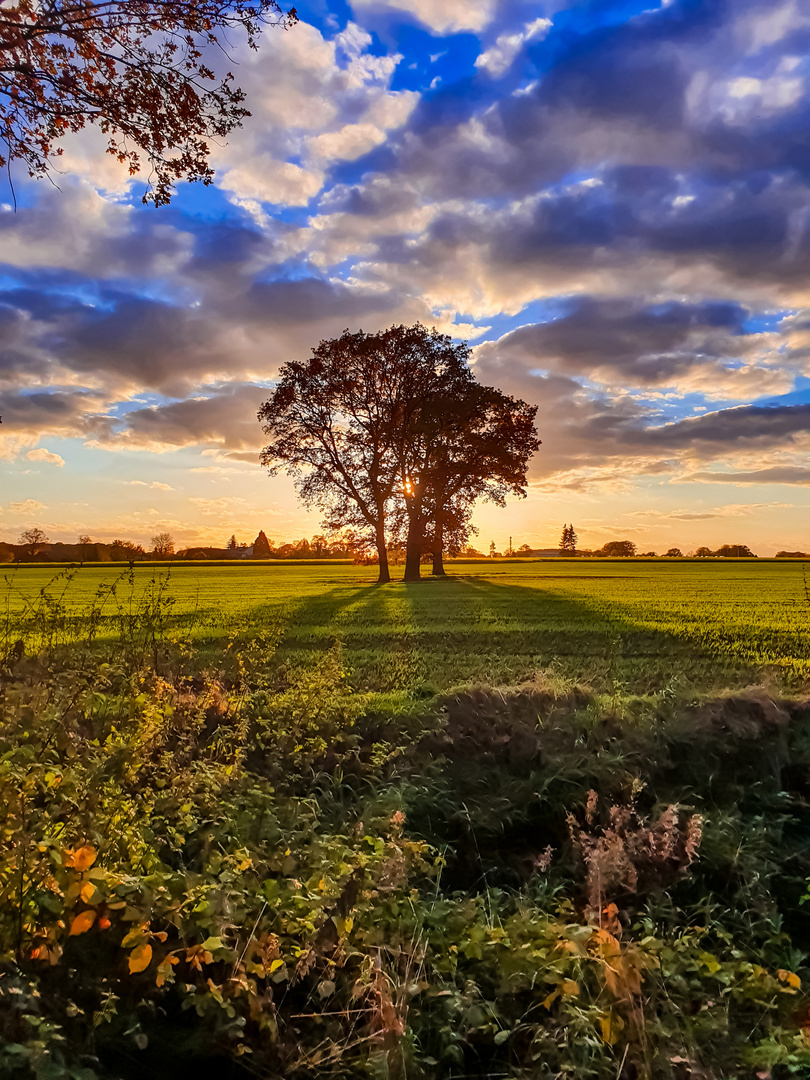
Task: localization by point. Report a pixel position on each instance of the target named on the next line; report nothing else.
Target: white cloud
(45, 455)
(445, 18)
(313, 100)
(154, 484)
(29, 506)
(264, 178)
(497, 59)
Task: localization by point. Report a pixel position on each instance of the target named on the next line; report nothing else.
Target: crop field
(636, 626)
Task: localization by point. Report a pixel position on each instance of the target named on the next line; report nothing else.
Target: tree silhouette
(261, 546)
(232, 543)
(162, 545)
(34, 540)
(622, 549)
(136, 68)
(333, 423)
(475, 442)
(125, 551)
(735, 551)
(390, 432)
(568, 541)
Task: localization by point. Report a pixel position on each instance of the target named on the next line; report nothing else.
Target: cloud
(698, 347)
(498, 58)
(449, 17)
(27, 507)
(45, 455)
(315, 100)
(776, 474)
(156, 484)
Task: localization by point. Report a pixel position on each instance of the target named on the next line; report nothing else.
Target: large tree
(138, 69)
(339, 422)
(391, 429)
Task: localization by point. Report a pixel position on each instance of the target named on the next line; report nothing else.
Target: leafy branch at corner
(138, 69)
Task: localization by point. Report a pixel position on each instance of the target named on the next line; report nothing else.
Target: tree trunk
(438, 548)
(382, 554)
(413, 550)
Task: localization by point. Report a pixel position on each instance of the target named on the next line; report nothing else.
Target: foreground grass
(254, 868)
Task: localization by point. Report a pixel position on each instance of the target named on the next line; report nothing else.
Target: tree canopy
(138, 69)
(390, 433)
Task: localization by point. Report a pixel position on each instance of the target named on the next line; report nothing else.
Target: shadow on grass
(435, 634)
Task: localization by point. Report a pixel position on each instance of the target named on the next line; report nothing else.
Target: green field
(631, 625)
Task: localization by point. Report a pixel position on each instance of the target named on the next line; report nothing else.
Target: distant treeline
(344, 547)
(319, 547)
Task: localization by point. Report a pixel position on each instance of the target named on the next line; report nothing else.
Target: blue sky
(608, 200)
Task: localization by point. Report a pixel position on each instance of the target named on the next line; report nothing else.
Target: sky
(608, 199)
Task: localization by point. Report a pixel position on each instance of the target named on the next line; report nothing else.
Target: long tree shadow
(460, 631)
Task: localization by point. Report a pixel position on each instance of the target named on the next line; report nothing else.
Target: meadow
(538, 820)
(633, 624)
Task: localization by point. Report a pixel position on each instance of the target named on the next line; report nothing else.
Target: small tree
(125, 551)
(619, 549)
(673, 553)
(261, 546)
(703, 553)
(735, 551)
(34, 540)
(162, 545)
(319, 546)
(232, 545)
(568, 541)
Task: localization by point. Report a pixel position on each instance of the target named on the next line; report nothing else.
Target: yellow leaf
(790, 978)
(140, 958)
(82, 923)
(552, 997)
(88, 892)
(609, 1030)
(570, 987)
(84, 857)
(276, 964)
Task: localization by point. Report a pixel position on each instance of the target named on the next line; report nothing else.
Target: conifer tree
(261, 546)
(568, 540)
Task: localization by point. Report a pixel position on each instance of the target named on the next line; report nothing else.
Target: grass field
(636, 626)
